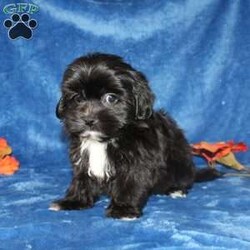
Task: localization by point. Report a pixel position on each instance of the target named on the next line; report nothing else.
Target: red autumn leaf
(214, 151)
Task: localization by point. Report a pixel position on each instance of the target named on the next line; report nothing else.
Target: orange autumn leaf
(3, 142)
(8, 165)
(5, 149)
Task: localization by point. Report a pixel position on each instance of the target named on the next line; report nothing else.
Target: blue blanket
(196, 57)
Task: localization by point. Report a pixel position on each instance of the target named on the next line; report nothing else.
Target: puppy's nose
(90, 122)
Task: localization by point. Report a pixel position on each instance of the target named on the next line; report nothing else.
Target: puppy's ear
(144, 97)
(59, 109)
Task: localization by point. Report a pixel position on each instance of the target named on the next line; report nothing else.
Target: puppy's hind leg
(182, 179)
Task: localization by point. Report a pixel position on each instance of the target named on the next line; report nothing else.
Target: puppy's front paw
(55, 206)
(178, 194)
(123, 212)
(66, 204)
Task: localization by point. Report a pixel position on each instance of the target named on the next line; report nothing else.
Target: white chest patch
(98, 160)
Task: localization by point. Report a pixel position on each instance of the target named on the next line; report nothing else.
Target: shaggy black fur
(146, 151)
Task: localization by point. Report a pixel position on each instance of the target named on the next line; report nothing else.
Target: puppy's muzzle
(90, 122)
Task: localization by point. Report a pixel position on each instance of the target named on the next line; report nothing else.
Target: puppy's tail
(207, 174)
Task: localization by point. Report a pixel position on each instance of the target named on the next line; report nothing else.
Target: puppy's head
(101, 94)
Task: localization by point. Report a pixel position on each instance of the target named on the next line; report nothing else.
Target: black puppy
(118, 145)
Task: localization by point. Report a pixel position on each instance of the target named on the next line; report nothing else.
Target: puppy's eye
(109, 99)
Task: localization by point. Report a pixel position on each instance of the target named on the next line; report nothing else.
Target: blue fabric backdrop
(196, 57)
